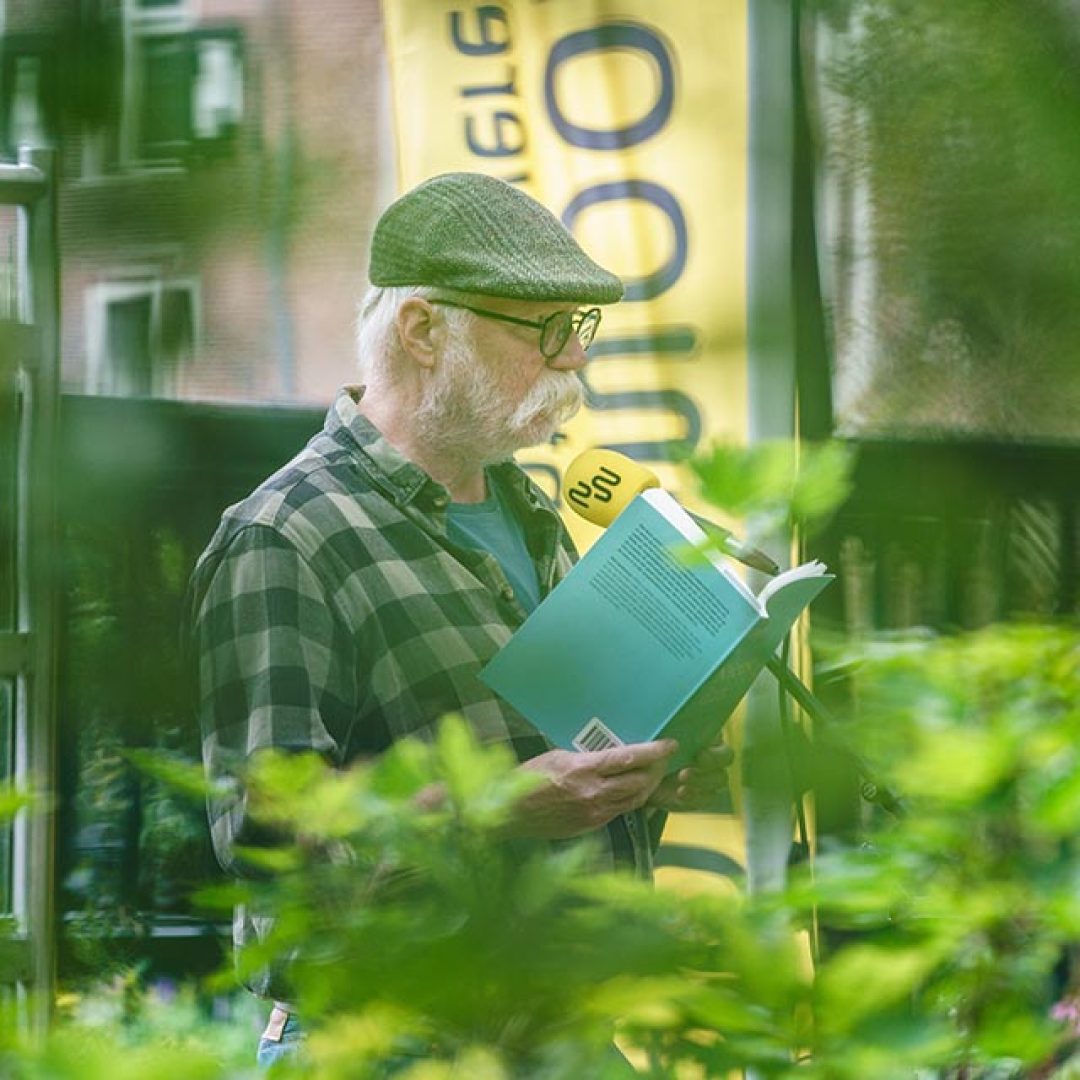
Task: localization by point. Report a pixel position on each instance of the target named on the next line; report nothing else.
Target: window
(183, 95)
(140, 336)
(178, 91)
(10, 422)
(27, 126)
(28, 89)
(219, 88)
(159, 109)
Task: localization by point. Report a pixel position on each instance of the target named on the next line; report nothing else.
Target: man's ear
(415, 328)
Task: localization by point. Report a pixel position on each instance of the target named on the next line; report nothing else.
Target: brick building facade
(221, 165)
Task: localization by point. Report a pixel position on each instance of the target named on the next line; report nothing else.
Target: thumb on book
(619, 759)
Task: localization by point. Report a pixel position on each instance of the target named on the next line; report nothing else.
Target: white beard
(464, 414)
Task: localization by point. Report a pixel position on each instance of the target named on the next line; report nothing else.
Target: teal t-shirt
(491, 526)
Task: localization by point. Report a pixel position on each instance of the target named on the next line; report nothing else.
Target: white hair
(377, 345)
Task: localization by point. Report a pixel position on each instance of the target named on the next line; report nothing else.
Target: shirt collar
(348, 426)
(387, 465)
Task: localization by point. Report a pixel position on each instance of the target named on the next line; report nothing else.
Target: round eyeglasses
(555, 329)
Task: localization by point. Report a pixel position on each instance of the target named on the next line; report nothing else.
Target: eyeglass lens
(558, 328)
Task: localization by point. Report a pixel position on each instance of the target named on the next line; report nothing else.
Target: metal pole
(36, 721)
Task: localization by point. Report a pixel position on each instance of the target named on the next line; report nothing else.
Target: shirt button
(508, 593)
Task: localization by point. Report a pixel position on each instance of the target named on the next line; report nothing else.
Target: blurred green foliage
(123, 1031)
(425, 939)
(776, 484)
(437, 939)
(964, 912)
(424, 943)
(12, 800)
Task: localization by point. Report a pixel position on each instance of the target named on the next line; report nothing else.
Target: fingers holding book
(584, 790)
(695, 787)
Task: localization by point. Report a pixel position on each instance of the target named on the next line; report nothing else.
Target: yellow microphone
(600, 484)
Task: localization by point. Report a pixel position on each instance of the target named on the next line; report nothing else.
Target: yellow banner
(629, 121)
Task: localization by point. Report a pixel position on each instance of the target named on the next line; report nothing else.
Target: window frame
(164, 381)
(118, 149)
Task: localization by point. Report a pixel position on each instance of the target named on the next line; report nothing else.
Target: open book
(639, 642)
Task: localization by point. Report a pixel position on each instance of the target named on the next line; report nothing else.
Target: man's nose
(571, 357)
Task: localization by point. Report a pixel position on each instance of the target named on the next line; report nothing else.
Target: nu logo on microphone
(596, 489)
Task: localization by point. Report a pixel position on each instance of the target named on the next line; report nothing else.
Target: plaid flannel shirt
(330, 612)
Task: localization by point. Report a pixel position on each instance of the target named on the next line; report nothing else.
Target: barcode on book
(595, 735)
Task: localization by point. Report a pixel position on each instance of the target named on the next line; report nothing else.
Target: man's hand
(585, 790)
(696, 786)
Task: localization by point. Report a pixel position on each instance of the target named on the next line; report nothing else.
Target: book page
(665, 504)
(814, 568)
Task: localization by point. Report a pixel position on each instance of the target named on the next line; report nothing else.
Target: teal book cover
(635, 634)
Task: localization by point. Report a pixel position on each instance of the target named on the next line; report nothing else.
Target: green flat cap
(472, 232)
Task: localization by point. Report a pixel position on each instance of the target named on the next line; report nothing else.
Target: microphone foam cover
(599, 484)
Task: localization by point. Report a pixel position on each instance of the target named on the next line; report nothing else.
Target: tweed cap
(475, 233)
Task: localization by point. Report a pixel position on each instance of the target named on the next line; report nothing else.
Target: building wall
(262, 236)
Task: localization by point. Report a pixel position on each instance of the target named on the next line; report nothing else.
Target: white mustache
(559, 394)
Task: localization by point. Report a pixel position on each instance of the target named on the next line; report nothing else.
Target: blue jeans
(272, 1050)
(292, 1036)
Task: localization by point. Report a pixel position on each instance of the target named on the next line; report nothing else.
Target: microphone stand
(871, 789)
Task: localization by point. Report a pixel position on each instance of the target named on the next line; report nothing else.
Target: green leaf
(183, 776)
(955, 765)
(822, 482)
(404, 770)
(864, 979)
(466, 767)
(778, 482)
(641, 1002)
(12, 800)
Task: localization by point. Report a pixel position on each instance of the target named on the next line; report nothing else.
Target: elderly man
(351, 600)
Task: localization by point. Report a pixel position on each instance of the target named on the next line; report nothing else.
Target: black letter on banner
(656, 402)
(668, 343)
(676, 342)
(507, 87)
(499, 148)
(652, 285)
(601, 38)
(487, 16)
